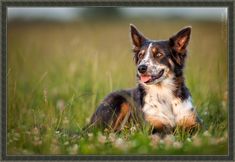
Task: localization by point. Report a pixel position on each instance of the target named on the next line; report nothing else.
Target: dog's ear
(180, 40)
(137, 38)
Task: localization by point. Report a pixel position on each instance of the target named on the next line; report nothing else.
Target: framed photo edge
(166, 3)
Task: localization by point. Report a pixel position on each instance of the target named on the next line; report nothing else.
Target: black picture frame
(161, 3)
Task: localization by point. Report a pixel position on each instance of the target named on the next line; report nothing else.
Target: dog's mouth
(150, 78)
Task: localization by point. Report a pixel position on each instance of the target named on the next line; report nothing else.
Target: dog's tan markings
(124, 109)
(154, 50)
(141, 54)
(142, 51)
(188, 122)
(171, 63)
(155, 122)
(159, 125)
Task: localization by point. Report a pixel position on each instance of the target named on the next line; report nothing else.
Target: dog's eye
(158, 55)
(141, 55)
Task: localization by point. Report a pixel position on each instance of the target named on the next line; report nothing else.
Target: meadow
(57, 74)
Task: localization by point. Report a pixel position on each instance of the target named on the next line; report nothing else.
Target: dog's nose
(142, 69)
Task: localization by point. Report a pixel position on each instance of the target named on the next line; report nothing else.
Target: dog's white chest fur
(162, 105)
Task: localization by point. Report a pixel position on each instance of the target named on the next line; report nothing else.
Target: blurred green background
(62, 62)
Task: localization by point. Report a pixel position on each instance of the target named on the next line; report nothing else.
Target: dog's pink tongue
(145, 78)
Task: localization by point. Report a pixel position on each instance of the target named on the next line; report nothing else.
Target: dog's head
(156, 60)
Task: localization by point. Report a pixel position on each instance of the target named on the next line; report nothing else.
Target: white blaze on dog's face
(157, 60)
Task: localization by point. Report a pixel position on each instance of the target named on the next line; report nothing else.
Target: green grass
(58, 73)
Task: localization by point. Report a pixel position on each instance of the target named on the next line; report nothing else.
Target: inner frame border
(101, 3)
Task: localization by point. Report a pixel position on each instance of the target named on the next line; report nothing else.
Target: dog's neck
(170, 88)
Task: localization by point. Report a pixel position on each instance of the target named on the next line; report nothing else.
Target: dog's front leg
(185, 113)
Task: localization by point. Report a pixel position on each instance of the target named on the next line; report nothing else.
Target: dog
(161, 97)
